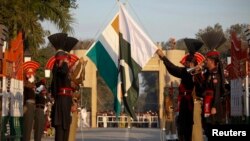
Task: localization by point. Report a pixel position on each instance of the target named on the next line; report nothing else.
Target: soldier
(29, 68)
(41, 93)
(185, 118)
(214, 84)
(61, 89)
(77, 77)
(214, 79)
(170, 114)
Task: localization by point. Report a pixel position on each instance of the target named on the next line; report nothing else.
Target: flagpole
(247, 91)
(247, 33)
(81, 122)
(119, 88)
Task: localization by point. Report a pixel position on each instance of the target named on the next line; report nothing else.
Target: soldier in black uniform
(185, 118)
(214, 89)
(214, 80)
(30, 68)
(41, 95)
(61, 88)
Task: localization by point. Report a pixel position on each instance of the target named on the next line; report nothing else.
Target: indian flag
(104, 53)
(120, 53)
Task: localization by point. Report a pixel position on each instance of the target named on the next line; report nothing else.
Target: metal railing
(127, 122)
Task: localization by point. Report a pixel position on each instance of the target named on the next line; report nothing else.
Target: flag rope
(103, 23)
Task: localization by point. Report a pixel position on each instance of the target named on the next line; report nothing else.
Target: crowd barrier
(127, 122)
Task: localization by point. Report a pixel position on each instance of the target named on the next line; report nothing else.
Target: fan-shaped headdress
(30, 67)
(213, 40)
(63, 44)
(193, 45)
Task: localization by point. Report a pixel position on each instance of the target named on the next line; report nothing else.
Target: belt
(40, 106)
(30, 101)
(65, 92)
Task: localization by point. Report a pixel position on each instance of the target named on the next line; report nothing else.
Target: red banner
(14, 58)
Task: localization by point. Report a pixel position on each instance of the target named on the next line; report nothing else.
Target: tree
(239, 29)
(151, 89)
(170, 44)
(180, 44)
(105, 98)
(26, 16)
(217, 27)
(85, 44)
(42, 56)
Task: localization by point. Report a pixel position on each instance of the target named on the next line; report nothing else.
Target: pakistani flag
(136, 49)
(120, 53)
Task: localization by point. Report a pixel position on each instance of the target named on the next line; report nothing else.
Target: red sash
(207, 102)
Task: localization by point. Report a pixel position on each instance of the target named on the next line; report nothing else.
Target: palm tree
(26, 16)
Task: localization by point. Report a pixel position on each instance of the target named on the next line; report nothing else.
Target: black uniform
(61, 88)
(62, 93)
(213, 85)
(214, 78)
(185, 118)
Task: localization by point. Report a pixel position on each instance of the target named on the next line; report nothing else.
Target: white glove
(39, 89)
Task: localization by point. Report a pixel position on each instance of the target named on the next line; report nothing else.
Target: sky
(160, 19)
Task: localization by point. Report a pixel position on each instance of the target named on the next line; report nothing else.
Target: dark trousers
(61, 134)
(185, 119)
(28, 117)
(186, 135)
(39, 124)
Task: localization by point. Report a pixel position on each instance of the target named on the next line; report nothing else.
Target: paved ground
(117, 134)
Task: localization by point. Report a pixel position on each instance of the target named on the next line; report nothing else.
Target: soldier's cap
(63, 44)
(58, 40)
(213, 53)
(70, 44)
(60, 55)
(213, 40)
(30, 67)
(43, 80)
(193, 45)
(199, 58)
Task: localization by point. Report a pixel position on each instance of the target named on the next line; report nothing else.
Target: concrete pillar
(162, 83)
